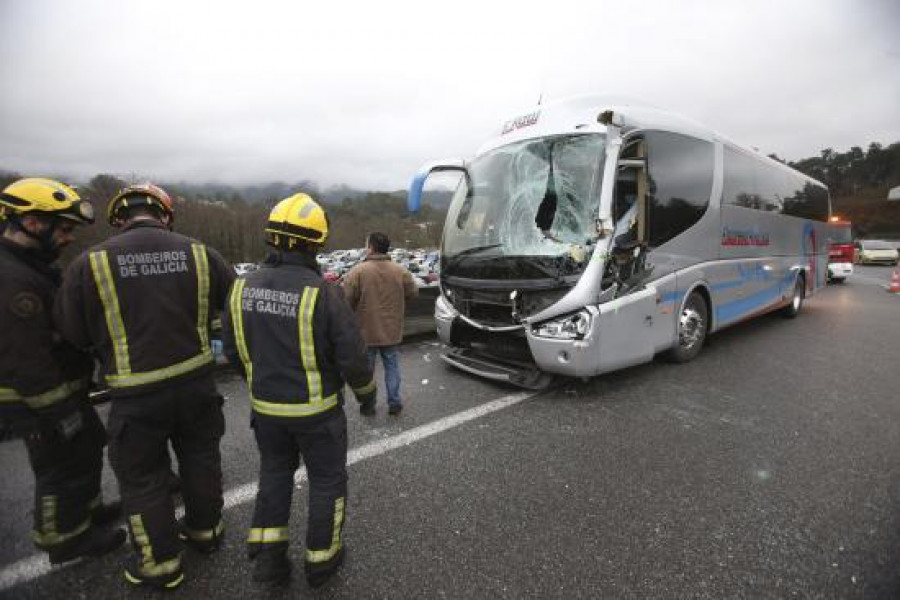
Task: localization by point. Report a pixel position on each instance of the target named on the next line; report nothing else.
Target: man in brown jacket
(377, 290)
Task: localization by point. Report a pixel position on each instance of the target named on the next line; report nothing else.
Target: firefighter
(144, 300)
(297, 341)
(44, 380)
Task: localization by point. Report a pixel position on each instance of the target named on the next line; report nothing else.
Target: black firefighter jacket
(296, 338)
(144, 300)
(38, 369)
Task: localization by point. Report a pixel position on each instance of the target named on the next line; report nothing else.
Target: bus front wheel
(693, 323)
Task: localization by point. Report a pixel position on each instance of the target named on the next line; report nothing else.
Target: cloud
(363, 94)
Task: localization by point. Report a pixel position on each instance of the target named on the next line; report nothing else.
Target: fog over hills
(266, 193)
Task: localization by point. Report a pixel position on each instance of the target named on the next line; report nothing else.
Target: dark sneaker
(394, 409)
(317, 574)
(367, 409)
(93, 542)
(271, 566)
(105, 514)
(163, 581)
(206, 542)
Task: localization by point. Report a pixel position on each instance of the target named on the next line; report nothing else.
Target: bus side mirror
(414, 197)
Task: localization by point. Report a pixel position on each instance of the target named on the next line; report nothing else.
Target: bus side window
(680, 179)
(811, 202)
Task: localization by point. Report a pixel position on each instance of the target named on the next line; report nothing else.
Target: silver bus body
(671, 212)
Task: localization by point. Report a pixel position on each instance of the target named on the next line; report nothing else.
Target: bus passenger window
(681, 175)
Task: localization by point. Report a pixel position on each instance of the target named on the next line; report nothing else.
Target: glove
(69, 426)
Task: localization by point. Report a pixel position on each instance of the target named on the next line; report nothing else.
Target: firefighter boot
(272, 566)
(161, 581)
(319, 573)
(93, 542)
(207, 541)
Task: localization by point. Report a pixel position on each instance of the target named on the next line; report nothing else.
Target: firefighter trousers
(323, 445)
(189, 414)
(66, 456)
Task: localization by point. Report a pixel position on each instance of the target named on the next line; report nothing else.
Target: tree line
(224, 218)
(228, 222)
(859, 181)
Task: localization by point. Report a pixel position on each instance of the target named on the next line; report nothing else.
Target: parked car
(874, 252)
(244, 268)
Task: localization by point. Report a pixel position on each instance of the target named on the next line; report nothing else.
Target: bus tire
(796, 304)
(693, 324)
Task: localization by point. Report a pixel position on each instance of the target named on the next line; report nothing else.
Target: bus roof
(579, 115)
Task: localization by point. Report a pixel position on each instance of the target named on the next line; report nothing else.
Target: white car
(874, 252)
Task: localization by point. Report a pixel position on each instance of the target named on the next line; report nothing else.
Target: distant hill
(436, 198)
(269, 192)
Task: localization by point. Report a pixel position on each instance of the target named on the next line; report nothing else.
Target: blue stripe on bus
(727, 285)
(730, 311)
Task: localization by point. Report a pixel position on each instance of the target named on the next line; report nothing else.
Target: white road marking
(33, 567)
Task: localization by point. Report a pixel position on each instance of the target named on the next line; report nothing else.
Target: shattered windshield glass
(536, 201)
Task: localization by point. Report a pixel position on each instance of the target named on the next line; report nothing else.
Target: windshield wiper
(456, 258)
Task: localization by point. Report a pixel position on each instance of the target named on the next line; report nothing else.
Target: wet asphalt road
(766, 468)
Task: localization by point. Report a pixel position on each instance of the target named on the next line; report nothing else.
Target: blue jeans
(390, 358)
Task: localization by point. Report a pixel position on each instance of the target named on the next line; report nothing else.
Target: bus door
(636, 321)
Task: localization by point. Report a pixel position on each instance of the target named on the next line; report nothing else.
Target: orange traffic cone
(895, 282)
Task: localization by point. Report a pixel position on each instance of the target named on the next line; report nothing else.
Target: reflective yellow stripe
(308, 345)
(107, 290)
(201, 259)
(268, 535)
(60, 392)
(149, 566)
(123, 377)
(185, 366)
(49, 535)
(317, 556)
(287, 409)
(204, 535)
(237, 323)
(317, 403)
(366, 389)
(170, 585)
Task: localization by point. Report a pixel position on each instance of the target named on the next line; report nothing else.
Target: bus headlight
(569, 327)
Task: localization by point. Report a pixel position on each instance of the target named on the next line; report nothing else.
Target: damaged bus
(591, 234)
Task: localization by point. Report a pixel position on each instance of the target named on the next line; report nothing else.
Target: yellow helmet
(45, 197)
(297, 218)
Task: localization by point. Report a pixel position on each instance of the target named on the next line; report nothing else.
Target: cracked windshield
(527, 211)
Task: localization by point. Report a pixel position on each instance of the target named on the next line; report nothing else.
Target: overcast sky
(362, 93)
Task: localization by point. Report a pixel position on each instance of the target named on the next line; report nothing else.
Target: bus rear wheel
(693, 323)
(793, 309)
